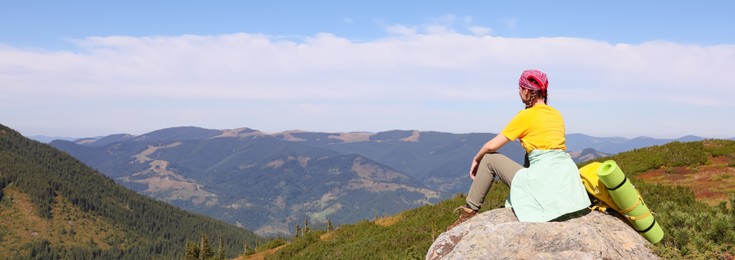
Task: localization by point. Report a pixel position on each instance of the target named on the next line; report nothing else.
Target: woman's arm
(490, 147)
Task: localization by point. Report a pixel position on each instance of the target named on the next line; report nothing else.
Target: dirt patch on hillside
(288, 136)
(388, 221)
(326, 236)
(143, 156)
(711, 183)
(167, 185)
(352, 137)
(720, 160)
(261, 255)
(237, 133)
(275, 164)
(414, 137)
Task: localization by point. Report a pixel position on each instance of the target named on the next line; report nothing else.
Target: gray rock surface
(497, 234)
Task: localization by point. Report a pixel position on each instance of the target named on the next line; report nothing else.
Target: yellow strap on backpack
(594, 187)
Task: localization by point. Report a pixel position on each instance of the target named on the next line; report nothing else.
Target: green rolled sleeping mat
(630, 202)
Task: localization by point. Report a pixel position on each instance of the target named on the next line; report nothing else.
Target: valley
(270, 182)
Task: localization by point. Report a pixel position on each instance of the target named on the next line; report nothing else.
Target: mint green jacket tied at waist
(549, 188)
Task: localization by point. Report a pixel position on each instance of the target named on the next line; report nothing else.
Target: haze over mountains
(575, 142)
(271, 182)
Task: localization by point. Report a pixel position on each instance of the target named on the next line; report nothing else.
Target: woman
(550, 188)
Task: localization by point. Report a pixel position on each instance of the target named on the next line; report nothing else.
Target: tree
(221, 254)
(329, 225)
(298, 231)
(192, 251)
(244, 250)
(205, 252)
(306, 226)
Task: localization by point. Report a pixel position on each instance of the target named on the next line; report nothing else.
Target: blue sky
(623, 68)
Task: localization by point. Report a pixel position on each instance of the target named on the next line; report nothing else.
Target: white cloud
(345, 82)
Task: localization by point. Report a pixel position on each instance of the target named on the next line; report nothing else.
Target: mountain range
(575, 142)
(614, 145)
(52, 206)
(271, 182)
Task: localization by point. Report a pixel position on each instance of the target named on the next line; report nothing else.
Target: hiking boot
(465, 213)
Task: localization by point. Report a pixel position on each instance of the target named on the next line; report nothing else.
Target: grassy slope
(410, 233)
(21, 225)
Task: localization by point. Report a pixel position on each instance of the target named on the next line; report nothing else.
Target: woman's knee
(493, 158)
(487, 164)
(500, 166)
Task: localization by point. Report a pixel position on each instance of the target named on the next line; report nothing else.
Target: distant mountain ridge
(270, 182)
(576, 142)
(48, 139)
(614, 145)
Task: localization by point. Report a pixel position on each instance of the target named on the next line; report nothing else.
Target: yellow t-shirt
(539, 128)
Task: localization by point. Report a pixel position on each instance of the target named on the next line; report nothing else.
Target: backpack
(599, 196)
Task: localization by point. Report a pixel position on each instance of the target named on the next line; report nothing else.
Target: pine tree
(192, 251)
(221, 254)
(306, 226)
(244, 250)
(330, 228)
(298, 231)
(205, 252)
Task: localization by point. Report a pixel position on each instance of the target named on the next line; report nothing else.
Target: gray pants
(491, 165)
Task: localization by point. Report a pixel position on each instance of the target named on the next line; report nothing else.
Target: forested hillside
(437, 159)
(265, 183)
(53, 206)
(693, 229)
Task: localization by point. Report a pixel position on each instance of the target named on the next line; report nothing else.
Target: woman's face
(523, 93)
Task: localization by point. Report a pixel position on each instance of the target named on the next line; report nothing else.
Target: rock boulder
(497, 234)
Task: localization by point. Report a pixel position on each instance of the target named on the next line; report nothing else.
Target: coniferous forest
(75, 212)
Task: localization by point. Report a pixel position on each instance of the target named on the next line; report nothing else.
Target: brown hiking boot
(465, 213)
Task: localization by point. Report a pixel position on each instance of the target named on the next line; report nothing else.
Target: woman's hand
(473, 169)
(489, 147)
